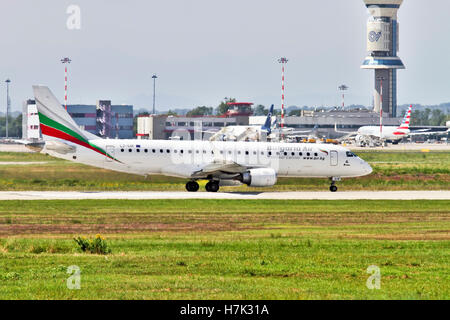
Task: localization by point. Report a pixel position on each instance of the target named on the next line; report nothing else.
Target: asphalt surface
(137, 195)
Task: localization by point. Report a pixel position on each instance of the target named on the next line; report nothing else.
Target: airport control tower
(382, 47)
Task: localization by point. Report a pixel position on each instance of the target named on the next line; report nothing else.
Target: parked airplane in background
(256, 164)
(245, 133)
(269, 131)
(366, 135)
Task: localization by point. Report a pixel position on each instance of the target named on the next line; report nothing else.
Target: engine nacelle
(261, 177)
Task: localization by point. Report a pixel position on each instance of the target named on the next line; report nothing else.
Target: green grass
(226, 249)
(392, 171)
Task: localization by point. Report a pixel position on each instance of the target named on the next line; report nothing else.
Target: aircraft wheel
(333, 188)
(192, 186)
(212, 186)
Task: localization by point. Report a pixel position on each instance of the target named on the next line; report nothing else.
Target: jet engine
(261, 177)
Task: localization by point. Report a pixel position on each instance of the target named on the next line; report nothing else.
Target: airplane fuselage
(386, 133)
(181, 158)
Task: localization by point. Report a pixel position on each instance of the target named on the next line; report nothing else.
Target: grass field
(392, 171)
(220, 249)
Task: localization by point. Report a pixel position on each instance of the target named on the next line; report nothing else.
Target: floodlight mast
(8, 105)
(283, 61)
(65, 61)
(154, 77)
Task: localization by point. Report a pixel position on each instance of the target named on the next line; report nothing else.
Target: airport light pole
(283, 61)
(343, 88)
(154, 77)
(8, 105)
(65, 61)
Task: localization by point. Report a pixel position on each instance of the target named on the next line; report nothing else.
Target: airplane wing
(426, 133)
(220, 169)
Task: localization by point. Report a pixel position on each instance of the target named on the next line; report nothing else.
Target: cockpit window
(351, 154)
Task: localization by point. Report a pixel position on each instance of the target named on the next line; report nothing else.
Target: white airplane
(244, 133)
(383, 133)
(256, 164)
(268, 130)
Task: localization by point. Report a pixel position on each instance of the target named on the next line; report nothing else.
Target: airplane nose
(368, 168)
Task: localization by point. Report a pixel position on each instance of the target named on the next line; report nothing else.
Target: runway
(138, 195)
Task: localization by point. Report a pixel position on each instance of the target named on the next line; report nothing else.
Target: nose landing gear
(333, 187)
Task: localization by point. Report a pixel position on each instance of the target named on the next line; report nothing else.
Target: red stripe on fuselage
(49, 131)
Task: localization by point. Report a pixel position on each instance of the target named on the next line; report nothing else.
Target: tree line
(429, 117)
(14, 126)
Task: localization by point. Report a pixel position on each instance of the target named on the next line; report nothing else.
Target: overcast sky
(205, 50)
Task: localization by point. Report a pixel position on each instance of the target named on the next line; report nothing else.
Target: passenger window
(300, 154)
(181, 151)
(153, 150)
(130, 150)
(145, 150)
(122, 150)
(293, 153)
(315, 154)
(269, 153)
(285, 153)
(161, 150)
(246, 153)
(308, 154)
(168, 151)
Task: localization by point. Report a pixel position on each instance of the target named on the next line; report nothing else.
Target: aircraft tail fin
(267, 125)
(406, 119)
(55, 121)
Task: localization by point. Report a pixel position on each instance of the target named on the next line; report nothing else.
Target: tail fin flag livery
(267, 125)
(406, 120)
(58, 126)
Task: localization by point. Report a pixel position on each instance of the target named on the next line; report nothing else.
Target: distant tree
(14, 126)
(171, 113)
(200, 111)
(223, 107)
(260, 110)
(437, 118)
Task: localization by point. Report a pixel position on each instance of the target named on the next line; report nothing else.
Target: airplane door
(110, 150)
(334, 158)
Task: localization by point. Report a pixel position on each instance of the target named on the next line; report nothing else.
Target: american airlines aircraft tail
(256, 164)
(406, 119)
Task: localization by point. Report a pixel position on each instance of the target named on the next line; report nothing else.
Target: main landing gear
(192, 186)
(333, 187)
(212, 186)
